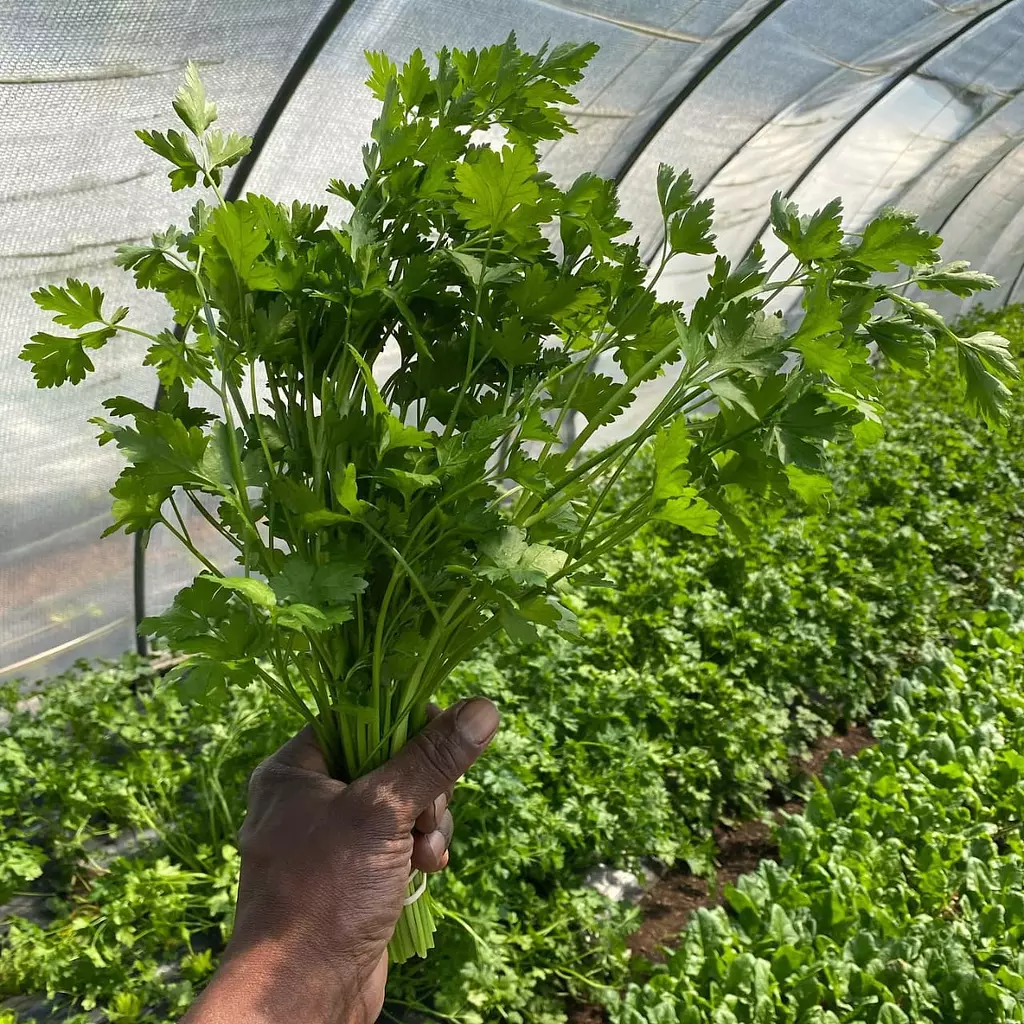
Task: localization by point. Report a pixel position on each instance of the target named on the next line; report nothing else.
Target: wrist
(271, 983)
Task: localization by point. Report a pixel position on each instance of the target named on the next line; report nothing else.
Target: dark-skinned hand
(325, 868)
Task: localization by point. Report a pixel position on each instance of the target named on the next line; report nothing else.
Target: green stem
(132, 330)
(259, 426)
(634, 379)
(468, 379)
(400, 558)
(201, 509)
(186, 543)
(378, 639)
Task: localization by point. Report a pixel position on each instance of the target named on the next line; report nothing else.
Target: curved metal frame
(898, 80)
(692, 85)
(1012, 151)
(1013, 287)
(308, 55)
(978, 184)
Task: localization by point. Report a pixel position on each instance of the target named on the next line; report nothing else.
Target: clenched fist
(324, 872)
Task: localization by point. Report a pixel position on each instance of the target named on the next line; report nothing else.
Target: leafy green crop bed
(696, 687)
(900, 893)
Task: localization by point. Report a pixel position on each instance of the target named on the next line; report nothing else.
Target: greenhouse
(645, 373)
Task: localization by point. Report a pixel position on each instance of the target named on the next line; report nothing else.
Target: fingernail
(477, 720)
(444, 859)
(437, 844)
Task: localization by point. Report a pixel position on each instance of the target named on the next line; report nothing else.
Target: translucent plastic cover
(915, 103)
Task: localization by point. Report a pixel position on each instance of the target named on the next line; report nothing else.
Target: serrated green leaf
(801, 427)
(199, 681)
(675, 191)
(536, 428)
(903, 341)
(514, 344)
(258, 592)
(243, 239)
(402, 435)
(406, 481)
(383, 71)
(690, 232)
(414, 81)
(893, 238)
(499, 193)
(693, 343)
(994, 350)
(75, 303)
(137, 503)
(955, 277)
(821, 356)
(175, 148)
(986, 364)
(161, 447)
(518, 627)
(822, 311)
(191, 103)
(224, 151)
(543, 558)
(506, 548)
(986, 392)
(817, 237)
(56, 360)
(479, 274)
(176, 359)
(589, 394)
(812, 488)
(305, 617)
(692, 513)
(749, 341)
(672, 447)
(735, 393)
(346, 492)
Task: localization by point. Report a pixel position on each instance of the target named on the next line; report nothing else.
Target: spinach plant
(389, 456)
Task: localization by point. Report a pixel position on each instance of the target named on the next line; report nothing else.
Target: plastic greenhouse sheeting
(915, 103)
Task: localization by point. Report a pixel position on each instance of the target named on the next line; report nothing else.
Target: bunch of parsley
(389, 458)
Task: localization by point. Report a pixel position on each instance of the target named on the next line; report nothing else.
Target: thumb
(436, 758)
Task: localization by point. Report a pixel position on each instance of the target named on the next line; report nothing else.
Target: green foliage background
(714, 665)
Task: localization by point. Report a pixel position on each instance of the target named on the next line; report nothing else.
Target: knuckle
(442, 752)
(361, 800)
(369, 811)
(266, 775)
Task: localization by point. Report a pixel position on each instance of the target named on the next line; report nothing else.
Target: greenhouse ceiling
(914, 103)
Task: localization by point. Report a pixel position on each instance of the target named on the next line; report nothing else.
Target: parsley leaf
(499, 192)
(892, 239)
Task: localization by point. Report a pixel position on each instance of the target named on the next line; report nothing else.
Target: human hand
(325, 867)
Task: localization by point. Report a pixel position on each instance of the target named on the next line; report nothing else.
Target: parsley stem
(621, 392)
(259, 426)
(202, 510)
(189, 546)
(467, 379)
(378, 641)
(125, 329)
(400, 558)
